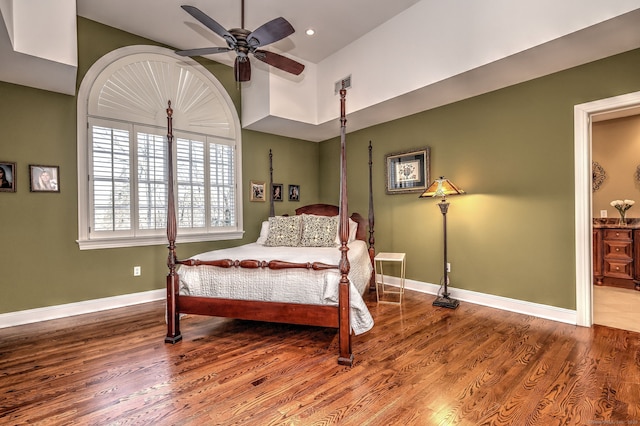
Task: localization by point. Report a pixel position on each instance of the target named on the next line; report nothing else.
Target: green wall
(40, 260)
(512, 235)
(511, 150)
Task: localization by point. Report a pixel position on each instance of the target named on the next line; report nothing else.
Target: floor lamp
(441, 188)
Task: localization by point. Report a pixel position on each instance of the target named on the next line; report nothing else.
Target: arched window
(122, 151)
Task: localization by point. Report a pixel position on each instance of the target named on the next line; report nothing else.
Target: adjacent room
(242, 212)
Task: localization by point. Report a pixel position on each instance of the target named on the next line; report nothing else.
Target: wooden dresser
(616, 253)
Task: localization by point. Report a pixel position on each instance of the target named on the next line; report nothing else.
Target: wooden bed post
(272, 209)
(344, 325)
(372, 240)
(173, 316)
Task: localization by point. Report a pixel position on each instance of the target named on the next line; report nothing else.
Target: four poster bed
(311, 269)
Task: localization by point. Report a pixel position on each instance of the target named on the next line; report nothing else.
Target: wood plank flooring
(419, 365)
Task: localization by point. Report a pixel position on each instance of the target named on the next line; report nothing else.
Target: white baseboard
(70, 309)
(60, 311)
(513, 305)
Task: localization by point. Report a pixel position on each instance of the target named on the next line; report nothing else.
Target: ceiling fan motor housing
(240, 45)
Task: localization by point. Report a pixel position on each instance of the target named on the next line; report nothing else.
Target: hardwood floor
(419, 365)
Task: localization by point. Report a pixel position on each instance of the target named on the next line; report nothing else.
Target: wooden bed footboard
(287, 313)
(255, 264)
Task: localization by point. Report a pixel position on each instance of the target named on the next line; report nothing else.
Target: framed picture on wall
(257, 191)
(294, 192)
(407, 171)
(44, 178)
(276, 191)
(7, 176)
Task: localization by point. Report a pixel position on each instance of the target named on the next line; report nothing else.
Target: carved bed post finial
(272, 210)
(173, 318)
(344, 331)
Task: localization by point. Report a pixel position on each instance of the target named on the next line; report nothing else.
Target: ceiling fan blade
(202, 51)
(279, 61)
(208, 22)
(242, 69)
(268, 33)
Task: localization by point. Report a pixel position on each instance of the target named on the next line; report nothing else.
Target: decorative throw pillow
(318, 231)
(284, 231)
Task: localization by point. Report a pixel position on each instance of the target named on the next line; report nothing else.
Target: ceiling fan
(245, 42)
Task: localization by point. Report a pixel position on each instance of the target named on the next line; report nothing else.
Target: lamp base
(446, 302)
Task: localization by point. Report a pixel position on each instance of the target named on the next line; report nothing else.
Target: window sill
(105, 243)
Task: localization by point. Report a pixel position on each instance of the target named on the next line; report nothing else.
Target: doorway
(618, 106)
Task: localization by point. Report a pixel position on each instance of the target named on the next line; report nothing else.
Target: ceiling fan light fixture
(245, 42)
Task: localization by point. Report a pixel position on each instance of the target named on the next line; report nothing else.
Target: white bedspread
(286, 285)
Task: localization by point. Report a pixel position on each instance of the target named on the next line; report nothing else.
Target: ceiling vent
(346, 81)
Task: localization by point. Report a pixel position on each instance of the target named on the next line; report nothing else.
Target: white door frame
(583, 114)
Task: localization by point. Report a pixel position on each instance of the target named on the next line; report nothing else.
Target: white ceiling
(337, 22)
(487, 44)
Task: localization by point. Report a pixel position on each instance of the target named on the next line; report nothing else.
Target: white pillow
(353, 231)
(264, 232)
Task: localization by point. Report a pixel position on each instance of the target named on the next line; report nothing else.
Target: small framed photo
(44, 178)
(257, 191)
(407, 171)
(294, 192)
(276, 191)
(7, 176)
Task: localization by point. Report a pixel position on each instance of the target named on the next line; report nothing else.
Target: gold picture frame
(257, 191)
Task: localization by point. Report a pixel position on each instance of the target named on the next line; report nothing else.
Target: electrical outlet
(137, 271)
(448, 267)
(603, 213)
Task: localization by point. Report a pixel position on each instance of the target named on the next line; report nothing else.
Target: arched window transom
(123, 159)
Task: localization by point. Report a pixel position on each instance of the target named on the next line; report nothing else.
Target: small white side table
(380, 259)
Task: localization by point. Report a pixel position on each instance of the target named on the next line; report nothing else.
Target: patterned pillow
(284, 231)
(319, 231)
